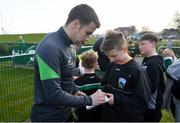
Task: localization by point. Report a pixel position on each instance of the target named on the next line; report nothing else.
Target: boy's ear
(154, 44)
(97, 66)
(125, 49)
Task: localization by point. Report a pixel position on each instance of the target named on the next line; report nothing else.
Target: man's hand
(80, 93)
(98, 98)
(111, 98)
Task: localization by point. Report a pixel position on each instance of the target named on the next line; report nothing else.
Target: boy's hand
(111, 98)
(80, 93)
(168, 53)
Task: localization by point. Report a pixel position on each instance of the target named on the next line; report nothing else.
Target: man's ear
(75, 24)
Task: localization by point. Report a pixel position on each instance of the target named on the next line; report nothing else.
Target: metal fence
(176, 50)
(16, 87)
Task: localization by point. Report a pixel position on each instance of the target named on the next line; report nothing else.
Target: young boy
(131, 49)
(171, 97)
(169, 57)
(153, 64)
(89, 63)
(124, 82)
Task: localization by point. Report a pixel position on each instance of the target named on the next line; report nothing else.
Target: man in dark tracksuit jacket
(53, 84)
(54, 88)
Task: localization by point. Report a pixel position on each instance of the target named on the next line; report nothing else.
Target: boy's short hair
(89, 59)
(130, 42)
(152, 37)
(113, 40)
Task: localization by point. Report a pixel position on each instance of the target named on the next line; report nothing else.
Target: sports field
(16, 85)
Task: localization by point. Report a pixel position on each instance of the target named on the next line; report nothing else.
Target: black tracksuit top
(131, 90)
(53, 84)
(155, 69)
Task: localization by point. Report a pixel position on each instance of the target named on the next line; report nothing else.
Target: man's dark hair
(85, 14)
(152, 37)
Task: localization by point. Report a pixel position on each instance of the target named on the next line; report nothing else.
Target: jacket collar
(66, 38)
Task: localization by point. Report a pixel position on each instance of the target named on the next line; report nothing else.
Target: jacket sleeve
(75, 89)
(105, 77)
(49, 64)
(154, 75)
(140, 95)
(168, 61)
(97, 45)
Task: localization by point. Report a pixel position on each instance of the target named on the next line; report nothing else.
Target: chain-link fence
(16, 87)
(17, 84)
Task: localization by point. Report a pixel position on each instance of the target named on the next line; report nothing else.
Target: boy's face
(116, 56)
(146, 47)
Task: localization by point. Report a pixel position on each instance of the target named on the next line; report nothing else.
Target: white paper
(90, 107)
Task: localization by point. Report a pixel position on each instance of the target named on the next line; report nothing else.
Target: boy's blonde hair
(89, 59)
(113, 40)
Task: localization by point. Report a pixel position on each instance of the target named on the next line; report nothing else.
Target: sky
(42, 16)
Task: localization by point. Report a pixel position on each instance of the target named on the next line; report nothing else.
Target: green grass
(91, 41)
(174, 44)
(164, 43)
(32, 38)
(167, 116)
(16, 85)
(7, 41)
(28, 38)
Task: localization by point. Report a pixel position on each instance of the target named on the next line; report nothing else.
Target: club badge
(121, 82)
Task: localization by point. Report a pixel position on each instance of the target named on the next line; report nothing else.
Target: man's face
(82, 33)
(146, 47)
(116, 56)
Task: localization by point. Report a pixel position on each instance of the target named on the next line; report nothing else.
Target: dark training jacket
(94, 114)
(53, 84)
(131, 90)
(103, 60)
(155, 69)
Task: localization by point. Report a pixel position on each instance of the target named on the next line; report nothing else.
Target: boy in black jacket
(89, 63)
(153, 64)
(124, 82)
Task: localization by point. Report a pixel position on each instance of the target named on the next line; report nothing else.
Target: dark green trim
(89, 86)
